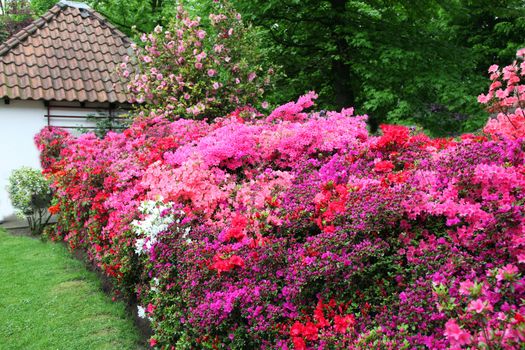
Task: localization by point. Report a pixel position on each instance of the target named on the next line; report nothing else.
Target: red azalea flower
(397, 177)
(319, 316)
(298, 343)
(152, 342)
(384, 166)
(297, 329)
(54, 209)
(310, 331)
(393, 135)
(329, 229)
(223, 265)
(236, 231)
(342, 323)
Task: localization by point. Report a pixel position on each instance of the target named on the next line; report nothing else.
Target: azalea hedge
(300, 230)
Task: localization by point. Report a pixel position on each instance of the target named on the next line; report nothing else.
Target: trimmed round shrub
(30, 195)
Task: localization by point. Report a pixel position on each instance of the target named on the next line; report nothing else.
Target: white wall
(20, 121)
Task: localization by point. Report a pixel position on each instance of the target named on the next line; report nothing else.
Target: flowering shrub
(301, 231)
(30, 194)
(184, 70)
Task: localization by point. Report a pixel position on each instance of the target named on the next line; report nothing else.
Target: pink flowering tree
(195, 71)
(506, 99)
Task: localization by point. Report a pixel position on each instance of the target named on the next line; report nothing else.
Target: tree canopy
(418, 63)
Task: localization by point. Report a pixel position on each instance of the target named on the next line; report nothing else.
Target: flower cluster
(486, 313)
(301, 231)
(156, 218)
(506, 99)
(51, 141)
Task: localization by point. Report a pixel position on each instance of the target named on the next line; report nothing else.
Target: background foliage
(417, 64)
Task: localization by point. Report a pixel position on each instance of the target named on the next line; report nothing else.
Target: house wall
(20, 121)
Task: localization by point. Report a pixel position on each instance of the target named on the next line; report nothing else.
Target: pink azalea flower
(507, 272)
(478, 306)
(150, 308)
(502, 93)
(493, 68)
(465, 287)
(455, 334)
(152, 342)
(201, 34)
(483, 98)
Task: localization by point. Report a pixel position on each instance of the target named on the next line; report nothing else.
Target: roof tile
(67, 54)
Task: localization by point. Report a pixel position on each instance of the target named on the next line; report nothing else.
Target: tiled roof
(69, 54)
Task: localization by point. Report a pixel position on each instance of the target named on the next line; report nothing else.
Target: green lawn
(48, 300)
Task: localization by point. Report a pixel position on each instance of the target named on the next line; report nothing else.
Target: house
(56, 71)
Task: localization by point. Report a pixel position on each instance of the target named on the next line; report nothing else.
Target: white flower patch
(141, 312)
(155, 285)
(186, 233)
(157, 217)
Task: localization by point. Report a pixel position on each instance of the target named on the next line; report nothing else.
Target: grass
(48, 300)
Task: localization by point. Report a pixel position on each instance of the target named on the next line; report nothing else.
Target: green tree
(400, 61)
(492, 28)
(16, 14)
